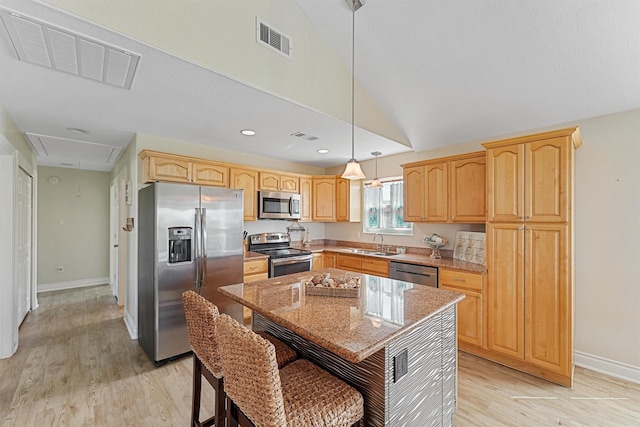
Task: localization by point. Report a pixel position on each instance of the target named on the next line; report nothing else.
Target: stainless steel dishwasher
(420, 274)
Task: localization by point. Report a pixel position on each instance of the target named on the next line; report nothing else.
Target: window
(383, 209)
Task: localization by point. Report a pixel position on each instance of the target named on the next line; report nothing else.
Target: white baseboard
(46, 287)
(607, 366)
(131, 326)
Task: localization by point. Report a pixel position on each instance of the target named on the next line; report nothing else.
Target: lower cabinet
(254, 270)
(471, 309)
(318, 261)
(329, 259)
(363, 264)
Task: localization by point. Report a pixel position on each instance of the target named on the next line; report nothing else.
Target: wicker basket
(333, 291)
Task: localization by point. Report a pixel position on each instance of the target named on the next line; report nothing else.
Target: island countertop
(351, 327)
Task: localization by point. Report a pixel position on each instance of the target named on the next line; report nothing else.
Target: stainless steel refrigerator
(189, 237)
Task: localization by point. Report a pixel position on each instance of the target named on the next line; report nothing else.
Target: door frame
(114, 234)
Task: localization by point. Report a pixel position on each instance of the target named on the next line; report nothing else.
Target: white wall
(73, 218)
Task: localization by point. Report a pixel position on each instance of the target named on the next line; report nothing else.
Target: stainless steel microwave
(278, 205)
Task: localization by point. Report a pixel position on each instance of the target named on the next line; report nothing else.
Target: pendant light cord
(353, 78)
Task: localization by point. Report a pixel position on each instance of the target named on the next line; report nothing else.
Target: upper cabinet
(335, 199)
(176, 168)
(247, 180)
(306, 201)
(348, 203)
(529, 181)
(278, 182)
(450, 189)
(323, 194)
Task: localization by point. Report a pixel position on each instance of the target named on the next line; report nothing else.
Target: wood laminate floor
(77, 366)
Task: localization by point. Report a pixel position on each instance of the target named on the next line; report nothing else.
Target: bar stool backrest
(251, 375)
(202, 322)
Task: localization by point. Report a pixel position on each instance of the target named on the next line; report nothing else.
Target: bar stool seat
(202, 320)
(299, 394)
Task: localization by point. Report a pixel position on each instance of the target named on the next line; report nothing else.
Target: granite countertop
(352, 328)
(254, 255)
(412, 258)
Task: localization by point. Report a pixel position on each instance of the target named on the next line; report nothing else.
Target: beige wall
(73, 225)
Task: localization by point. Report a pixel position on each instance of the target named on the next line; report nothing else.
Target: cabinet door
(375, 266)
(470, 309)
(342, 199)
(324, 199)
(548, 171)
(414, 189)
(548, 296)
(247, 180)
(205, 173)
(349, 262)
(329, 259)
(505, 289)
(169, 169)
(269, 181)
(318, 262)
(305, 199)
(467, 190)
(505, 183)
(289, 183)
(437, 188)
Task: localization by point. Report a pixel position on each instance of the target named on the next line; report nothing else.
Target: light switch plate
(400, 365)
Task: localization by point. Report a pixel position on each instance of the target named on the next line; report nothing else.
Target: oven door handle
(291, 260)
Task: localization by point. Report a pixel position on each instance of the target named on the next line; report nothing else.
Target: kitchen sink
(368, 252)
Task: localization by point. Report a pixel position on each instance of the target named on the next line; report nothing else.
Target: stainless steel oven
(283, 259)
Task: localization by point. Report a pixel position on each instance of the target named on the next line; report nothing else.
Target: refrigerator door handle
(196, 281)
(203, 254)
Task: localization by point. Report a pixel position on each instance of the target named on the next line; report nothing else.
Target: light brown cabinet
(317, 262)
(175, 168)
(247, 180)
(529, 181)
(450, 189)
(529, 253)
(306, 200)
(329, 259)
(348, 200)
(363, 264)
(279, 182)
(470, 311)
(254, 270)
(323, 194)
(335, 199)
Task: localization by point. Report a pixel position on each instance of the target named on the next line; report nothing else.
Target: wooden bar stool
(202, 319)
(260, 394)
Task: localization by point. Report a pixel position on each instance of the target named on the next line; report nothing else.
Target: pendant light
(353, 170)
(376, 181)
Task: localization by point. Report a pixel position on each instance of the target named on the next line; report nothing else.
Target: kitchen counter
(254, 255)
(412, 258)
(395, 343)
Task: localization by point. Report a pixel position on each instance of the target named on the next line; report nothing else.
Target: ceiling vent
(52, 147)
(43, 44)
(305, 136)
(275, 40)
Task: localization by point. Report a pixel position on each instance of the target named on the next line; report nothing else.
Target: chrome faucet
(381, 237)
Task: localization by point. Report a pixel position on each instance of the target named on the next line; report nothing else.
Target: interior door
(114, 237)
(23, 258)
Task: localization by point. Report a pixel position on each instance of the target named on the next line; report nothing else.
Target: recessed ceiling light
(78, 130)
(323, 151)
(248, 132)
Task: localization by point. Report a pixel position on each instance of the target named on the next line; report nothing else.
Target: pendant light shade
(376, 181)
(353, 169)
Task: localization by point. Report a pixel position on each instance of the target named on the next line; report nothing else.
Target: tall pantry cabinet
(530, 308)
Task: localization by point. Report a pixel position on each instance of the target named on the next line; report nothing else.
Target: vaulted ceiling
(428, 73)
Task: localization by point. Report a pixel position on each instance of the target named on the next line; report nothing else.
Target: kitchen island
(395, 342)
